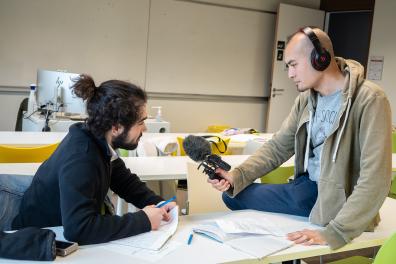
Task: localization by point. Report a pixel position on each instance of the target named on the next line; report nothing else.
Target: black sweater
(70, 187)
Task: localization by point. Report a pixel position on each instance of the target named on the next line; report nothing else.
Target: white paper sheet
(145, 254)
(153, 240)
(261, 245)
(249, 221)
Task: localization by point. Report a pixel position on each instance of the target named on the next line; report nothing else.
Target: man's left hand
(307, 237)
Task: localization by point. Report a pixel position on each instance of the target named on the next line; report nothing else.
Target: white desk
(203, 250)
(25, 138)
(166, 168)
(36, 123)
(147, 168)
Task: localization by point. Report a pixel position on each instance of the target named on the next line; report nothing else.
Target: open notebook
(246, 231)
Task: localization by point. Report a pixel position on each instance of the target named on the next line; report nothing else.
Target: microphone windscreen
(197, 148)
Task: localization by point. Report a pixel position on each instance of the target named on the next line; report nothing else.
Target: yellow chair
(217, 128)
(220, 149)
(278, 176)
(9, 154)
(385, 255)
(392, 192)
(123, 152)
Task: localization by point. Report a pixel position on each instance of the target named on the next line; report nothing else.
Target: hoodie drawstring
(308, 140)
(338, 137)
(342, 130)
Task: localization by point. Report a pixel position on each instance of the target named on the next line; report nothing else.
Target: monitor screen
(53, 90)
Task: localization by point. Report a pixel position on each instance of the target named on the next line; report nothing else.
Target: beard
(121, 142)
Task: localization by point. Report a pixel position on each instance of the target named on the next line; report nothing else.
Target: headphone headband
(320, 57)
(313, 38)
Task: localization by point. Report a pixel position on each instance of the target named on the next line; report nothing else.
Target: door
(283, 92)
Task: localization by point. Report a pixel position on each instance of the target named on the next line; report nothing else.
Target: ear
(117, 130)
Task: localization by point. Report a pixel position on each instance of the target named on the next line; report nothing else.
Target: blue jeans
(12, 188)
(296, 197)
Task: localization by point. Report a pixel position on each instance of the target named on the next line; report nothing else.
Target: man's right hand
(155, 215)
(225, 183)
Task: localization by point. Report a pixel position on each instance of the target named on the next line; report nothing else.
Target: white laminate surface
(204, 250)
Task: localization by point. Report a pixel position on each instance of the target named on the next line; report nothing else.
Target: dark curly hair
(113, 102)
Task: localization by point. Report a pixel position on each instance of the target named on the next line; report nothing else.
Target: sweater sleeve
(373, 184)
(129, 187)
(270, 156)
(80, 182)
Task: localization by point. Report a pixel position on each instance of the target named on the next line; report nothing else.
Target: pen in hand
(190, 239)
(167, 201)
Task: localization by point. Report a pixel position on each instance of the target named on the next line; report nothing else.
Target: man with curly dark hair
(70, 188)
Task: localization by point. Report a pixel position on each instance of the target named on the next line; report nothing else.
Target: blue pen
(190, 239)
(167, 201)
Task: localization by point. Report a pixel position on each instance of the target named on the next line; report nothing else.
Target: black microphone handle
(216, 159)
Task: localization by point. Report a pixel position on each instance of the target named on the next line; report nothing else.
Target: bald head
(302, 42)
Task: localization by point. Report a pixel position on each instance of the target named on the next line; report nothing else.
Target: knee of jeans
(9, 210)
(229, 202)
(226, 199)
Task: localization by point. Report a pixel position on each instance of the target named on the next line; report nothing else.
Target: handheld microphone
(199, 150)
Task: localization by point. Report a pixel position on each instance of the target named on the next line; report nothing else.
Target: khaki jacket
(356, 161)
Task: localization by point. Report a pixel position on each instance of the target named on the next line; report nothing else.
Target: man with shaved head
(339, 130)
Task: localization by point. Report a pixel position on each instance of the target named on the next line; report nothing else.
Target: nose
(144, 127)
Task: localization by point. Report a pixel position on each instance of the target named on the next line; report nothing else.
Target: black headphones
(320, 57)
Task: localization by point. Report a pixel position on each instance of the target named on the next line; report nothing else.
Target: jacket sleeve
(79, 184)
(368, 195)
(271, 155)
(129, 187)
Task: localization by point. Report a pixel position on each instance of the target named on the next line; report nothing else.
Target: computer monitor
(53, 91)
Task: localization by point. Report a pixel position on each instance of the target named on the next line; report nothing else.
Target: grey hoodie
(356, 160)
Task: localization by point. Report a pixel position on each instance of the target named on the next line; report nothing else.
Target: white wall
(185, 115)
(383, 42)
(195, 116)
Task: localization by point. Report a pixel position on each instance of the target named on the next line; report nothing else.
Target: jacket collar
(100, 141)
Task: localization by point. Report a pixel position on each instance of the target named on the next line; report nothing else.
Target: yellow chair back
(217, 128)
(278, 176)
(9, 154)
(394, 142)
(222, 145)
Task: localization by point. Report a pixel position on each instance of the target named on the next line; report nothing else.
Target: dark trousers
(296, 198)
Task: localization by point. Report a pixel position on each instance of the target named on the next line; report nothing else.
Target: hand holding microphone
(222, 184)
(199, 150)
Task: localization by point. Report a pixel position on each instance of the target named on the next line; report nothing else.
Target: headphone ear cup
(320, 61)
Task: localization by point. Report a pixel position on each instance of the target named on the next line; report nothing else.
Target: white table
(22, 138)
(203, 250)
(147, 168)
(62, 124)
(166, 168)
(25, 138)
